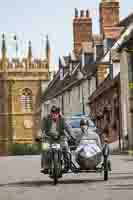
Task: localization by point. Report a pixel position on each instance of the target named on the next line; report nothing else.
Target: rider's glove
(72, 141)
(38, 139)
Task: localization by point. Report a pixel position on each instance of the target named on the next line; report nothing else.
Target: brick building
(111, 103)
(88, 49)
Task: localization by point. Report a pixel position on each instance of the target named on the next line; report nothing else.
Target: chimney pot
(82, 13)
(76, 12)
(87, 13)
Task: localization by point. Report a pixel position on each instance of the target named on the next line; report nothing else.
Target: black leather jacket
(61, 126)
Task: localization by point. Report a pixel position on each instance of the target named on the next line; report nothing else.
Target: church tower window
(26, 100)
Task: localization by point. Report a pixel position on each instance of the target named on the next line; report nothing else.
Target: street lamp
(80, 76)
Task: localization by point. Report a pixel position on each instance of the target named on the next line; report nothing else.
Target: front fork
(106, 153)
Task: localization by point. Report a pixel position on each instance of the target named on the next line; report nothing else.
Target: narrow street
(20, 179)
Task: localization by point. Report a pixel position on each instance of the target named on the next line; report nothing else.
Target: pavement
(20, 179)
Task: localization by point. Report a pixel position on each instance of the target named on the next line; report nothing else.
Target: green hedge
(24, 149)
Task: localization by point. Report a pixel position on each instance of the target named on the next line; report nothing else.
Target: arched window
(26, 100)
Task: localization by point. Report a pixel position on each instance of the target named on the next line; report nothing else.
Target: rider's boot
(66, 168)
(44, 171)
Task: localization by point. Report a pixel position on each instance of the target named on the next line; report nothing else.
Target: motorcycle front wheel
(56, 165)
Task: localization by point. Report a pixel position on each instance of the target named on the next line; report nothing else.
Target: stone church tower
(20, 92)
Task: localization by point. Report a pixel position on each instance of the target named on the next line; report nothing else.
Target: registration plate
(55, 146)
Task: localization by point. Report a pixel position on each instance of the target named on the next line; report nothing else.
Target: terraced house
(81, 71)
(96, 78)
(111, 103)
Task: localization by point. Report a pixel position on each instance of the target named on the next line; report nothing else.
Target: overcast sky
(33, 19)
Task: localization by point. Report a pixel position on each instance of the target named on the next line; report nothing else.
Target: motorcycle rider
(87, 133)
(88, 143)
(52, 125)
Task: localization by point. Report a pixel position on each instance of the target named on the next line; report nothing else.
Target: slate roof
(57, 86)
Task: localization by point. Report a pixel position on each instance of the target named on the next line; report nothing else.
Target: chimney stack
(82, 29)
(109, 16)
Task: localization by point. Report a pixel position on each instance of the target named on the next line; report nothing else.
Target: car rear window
(75, 123)
(91, 123)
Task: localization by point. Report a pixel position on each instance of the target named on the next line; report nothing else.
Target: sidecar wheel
(106, 168)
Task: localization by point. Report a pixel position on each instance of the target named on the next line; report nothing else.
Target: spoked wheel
(56, 167)
(55, 175)
(106, 168)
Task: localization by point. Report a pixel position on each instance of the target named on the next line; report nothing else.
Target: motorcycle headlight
(45, 146)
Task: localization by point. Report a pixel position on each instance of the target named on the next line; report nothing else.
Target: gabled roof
(61, 85)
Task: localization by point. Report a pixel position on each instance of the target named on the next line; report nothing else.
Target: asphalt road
(20, 179)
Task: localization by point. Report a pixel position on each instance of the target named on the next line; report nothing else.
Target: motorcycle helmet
(54, 109)
(84, 122)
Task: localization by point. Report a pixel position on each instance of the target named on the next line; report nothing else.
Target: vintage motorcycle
(57, 159)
